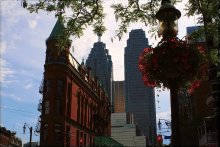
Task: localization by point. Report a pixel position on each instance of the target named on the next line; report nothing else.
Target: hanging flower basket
(172, 60)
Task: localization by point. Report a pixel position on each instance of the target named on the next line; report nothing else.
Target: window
(60, 85)
(78, 108)
(69, 97)
(58, 132)
(77, 138)
(48, 85)
(47, 106)
(85, 115)
(45, 134)
(82, 111)
(84, 140)
(68, 136)
(58, 106)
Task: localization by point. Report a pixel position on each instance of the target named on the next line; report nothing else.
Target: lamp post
(168, 28)
(30, 128)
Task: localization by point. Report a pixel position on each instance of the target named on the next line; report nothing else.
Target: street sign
(167, 137)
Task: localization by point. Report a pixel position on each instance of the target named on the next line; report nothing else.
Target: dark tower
(100, 62)
(140, 100)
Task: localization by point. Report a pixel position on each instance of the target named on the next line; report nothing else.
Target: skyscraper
(140, 100)
(119, 97)
(100, 63)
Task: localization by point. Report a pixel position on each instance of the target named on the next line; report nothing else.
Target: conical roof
(58, 30)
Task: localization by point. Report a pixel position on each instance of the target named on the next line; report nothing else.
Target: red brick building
(8, 138)
(75, 108)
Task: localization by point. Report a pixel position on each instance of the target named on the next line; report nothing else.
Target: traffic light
(159, 140)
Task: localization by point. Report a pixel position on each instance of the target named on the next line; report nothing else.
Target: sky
(22, 43)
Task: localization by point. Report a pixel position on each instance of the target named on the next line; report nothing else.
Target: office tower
(190, 30)
(100, 62)
(74, 108)
(119, 97)
(140, 100)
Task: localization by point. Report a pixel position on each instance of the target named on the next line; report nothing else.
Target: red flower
(147, 50)
(201, 49)
(172, 59)
(194, 85)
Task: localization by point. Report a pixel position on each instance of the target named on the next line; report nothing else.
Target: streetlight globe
(168, 16)
(24, 128)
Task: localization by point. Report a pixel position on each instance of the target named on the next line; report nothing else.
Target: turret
(58, 43)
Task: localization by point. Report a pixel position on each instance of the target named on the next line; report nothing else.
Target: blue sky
(23, 47)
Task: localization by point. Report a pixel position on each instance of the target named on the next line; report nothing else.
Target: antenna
(99, 36)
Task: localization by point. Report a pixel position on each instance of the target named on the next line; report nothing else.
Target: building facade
(100, 63)
(8, 138)
(75, 108)
(140, 100)
(119, 97)
(195, 113)
(125, 131)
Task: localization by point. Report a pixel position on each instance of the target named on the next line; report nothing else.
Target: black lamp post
(168, 28)
(30, 128)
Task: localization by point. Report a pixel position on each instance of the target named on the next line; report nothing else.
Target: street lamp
(30, 128)
(168, 16)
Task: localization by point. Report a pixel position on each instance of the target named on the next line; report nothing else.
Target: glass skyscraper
(101, 66)
(140, 100)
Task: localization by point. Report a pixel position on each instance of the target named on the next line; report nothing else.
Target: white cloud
(11, 96)
(164, 115)
(2, 47)
(32, 23)
(28, 86)
(6, 72)
(11, 11)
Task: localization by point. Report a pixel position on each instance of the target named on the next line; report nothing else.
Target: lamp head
(24, 128)
(167, 16)
(159, 124)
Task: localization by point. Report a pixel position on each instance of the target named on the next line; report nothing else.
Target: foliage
(173, 60)
(134, 12)
(90, 13)
(208, 16)
(86, 13)
(83, 13)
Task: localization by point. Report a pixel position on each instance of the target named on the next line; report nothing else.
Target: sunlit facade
(119, 97)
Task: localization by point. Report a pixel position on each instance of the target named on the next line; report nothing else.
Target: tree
(83, 13)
